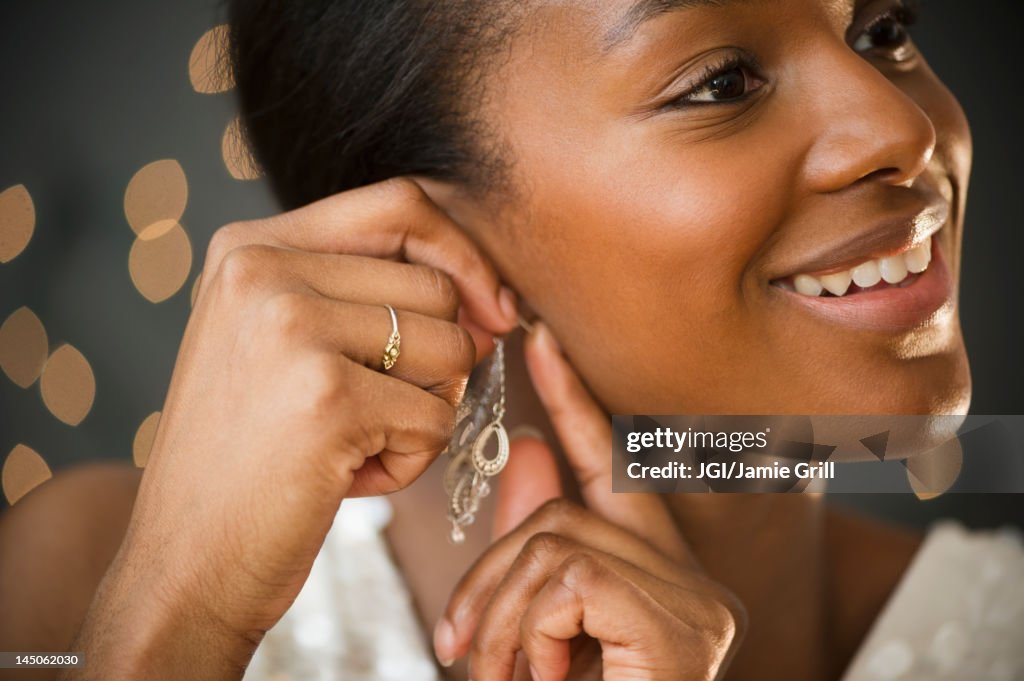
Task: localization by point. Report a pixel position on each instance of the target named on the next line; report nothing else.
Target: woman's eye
(887, 34)
(722, 87)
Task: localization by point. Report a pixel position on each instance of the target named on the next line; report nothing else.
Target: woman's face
(680, 162)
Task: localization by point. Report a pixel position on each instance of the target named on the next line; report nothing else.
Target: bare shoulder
(55, 545)
(866, 559)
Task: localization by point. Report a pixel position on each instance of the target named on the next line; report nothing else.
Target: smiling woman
(667, 127)
(714, 206)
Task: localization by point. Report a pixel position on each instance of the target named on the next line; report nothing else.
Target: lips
(898, 270)
(917, 301)
(892, 278)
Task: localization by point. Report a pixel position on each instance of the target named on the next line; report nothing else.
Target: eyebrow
(645, 10)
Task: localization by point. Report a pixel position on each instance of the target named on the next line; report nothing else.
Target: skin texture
(662, 232)
(693, 212)
(646, 239)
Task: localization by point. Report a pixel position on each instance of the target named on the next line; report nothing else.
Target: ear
(455, 201)
(451, 199)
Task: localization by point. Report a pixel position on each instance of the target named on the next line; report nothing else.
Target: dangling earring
(478, 421)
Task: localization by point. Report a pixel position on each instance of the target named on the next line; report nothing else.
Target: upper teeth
(892, 269)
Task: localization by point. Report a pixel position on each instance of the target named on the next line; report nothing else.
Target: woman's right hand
(278, 409)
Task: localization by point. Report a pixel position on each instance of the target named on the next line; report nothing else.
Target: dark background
(91, 92)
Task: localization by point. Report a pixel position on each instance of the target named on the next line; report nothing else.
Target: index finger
(586, 436)
(394, 219)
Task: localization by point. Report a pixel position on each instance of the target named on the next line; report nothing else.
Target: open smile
(895, 292)
(895, 271)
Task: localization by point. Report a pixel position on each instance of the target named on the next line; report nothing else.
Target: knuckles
(321, 389)
(223, 241)
(243, 269)
(543, 545)
(556, 513)
(438, 286)
(579, 568)
(455, 354)
(285, 315)
(404, 192)
(720, 630)
(459, 343)
(726, 614)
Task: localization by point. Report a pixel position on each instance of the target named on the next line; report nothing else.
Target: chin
(935, 389)
(936, 385)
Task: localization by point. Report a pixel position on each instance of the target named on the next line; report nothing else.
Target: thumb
(529, 479)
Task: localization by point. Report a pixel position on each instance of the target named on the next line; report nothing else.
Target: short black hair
(335, 94)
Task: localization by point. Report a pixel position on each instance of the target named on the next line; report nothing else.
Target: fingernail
(525, 430)
(444, 642)
(507, 302)
(545, 337)
(533, 673)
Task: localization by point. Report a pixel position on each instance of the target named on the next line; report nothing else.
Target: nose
(864, 126)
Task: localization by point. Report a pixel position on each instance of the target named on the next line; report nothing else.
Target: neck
(767, 548)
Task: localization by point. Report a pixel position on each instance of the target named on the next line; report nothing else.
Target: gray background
(91, 92)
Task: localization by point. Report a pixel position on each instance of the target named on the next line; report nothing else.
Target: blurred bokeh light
(68, 385)
(23, 347)
(208, 66)
(144, 436)
(23, 470)
(158, 192)
(17, 221)
(160, 260)
(238, 158)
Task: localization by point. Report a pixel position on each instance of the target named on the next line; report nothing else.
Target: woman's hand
(278, 409)
(616, 571)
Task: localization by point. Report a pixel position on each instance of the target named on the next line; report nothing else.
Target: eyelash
(730, 63)
(905, 12)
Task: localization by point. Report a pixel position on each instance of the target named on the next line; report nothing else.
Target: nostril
(892, 176)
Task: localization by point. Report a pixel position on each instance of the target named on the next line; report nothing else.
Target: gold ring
(394, 344)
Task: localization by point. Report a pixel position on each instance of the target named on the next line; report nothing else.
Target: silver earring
(478, 421)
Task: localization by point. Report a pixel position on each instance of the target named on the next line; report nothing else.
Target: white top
(958, 613)
(353, 620)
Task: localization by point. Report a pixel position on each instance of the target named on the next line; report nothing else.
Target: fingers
(530, 479)
(559, 516)
(415, 427)
(435, 355)
(585, 595)
(265, 296)
(352, 278)
(350, 415)
(648, 628)
(621, 617)
(393, 219)
(497, 638)
(585, 433)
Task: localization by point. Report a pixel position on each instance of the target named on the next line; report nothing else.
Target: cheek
(684, 218)
(647, 248)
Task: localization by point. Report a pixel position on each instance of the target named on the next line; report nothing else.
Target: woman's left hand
(616, 570)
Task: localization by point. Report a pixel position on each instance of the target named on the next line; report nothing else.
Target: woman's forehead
(609, 23)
